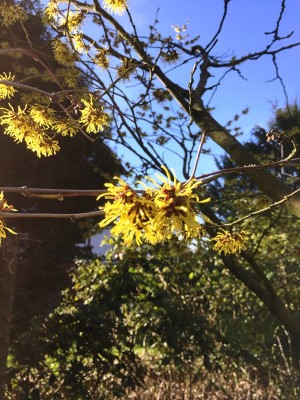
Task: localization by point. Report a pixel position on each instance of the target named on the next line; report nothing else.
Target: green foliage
(140, 313)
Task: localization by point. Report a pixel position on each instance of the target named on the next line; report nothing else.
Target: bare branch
(7, 215)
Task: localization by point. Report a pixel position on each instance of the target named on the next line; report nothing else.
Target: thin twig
(262, 210)
(197, 158)
(6, 215)
(56, 193)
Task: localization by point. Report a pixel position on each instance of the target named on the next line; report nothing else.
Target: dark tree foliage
(126, 320)
(147, 316)
(48, 247)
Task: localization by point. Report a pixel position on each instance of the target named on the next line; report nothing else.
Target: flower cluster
(10, 14)
(4, 207)
(70, 76)
(63, 53)
(126, 68)
(21, 126)
(74, 20)
(170, 56)
(115, 6)
(43, 116)
(93, 118)
(38, 124)
(78, 43)
(229, 243)
(101, 58)
(161, 211)
(52, 11)
(6, 91)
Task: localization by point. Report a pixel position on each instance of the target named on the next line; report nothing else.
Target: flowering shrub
(115, 6)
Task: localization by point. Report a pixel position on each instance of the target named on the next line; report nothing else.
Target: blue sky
(244, 31)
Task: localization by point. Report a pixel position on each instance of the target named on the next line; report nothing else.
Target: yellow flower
(229, 243)
(115, 6)
(11, 13)
(175, 207)
(126, 68)
(69, 75)
(75, 19)
(101, 58)
(65, 126)
(64, 19)
(123, 199)
(135, 223)
(34, 98)
(4, 207)
(133, 213)
(162, 211)
(78, 43)
(52, 10)
(43, 116)
(63, 54)
(3, 204)
(6, 91)
(20, 126)
(93, 118)
(3, 229)
(46, 146)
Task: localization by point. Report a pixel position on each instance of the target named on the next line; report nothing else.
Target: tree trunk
(257, 282)
(8, 270)
(271, 300)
